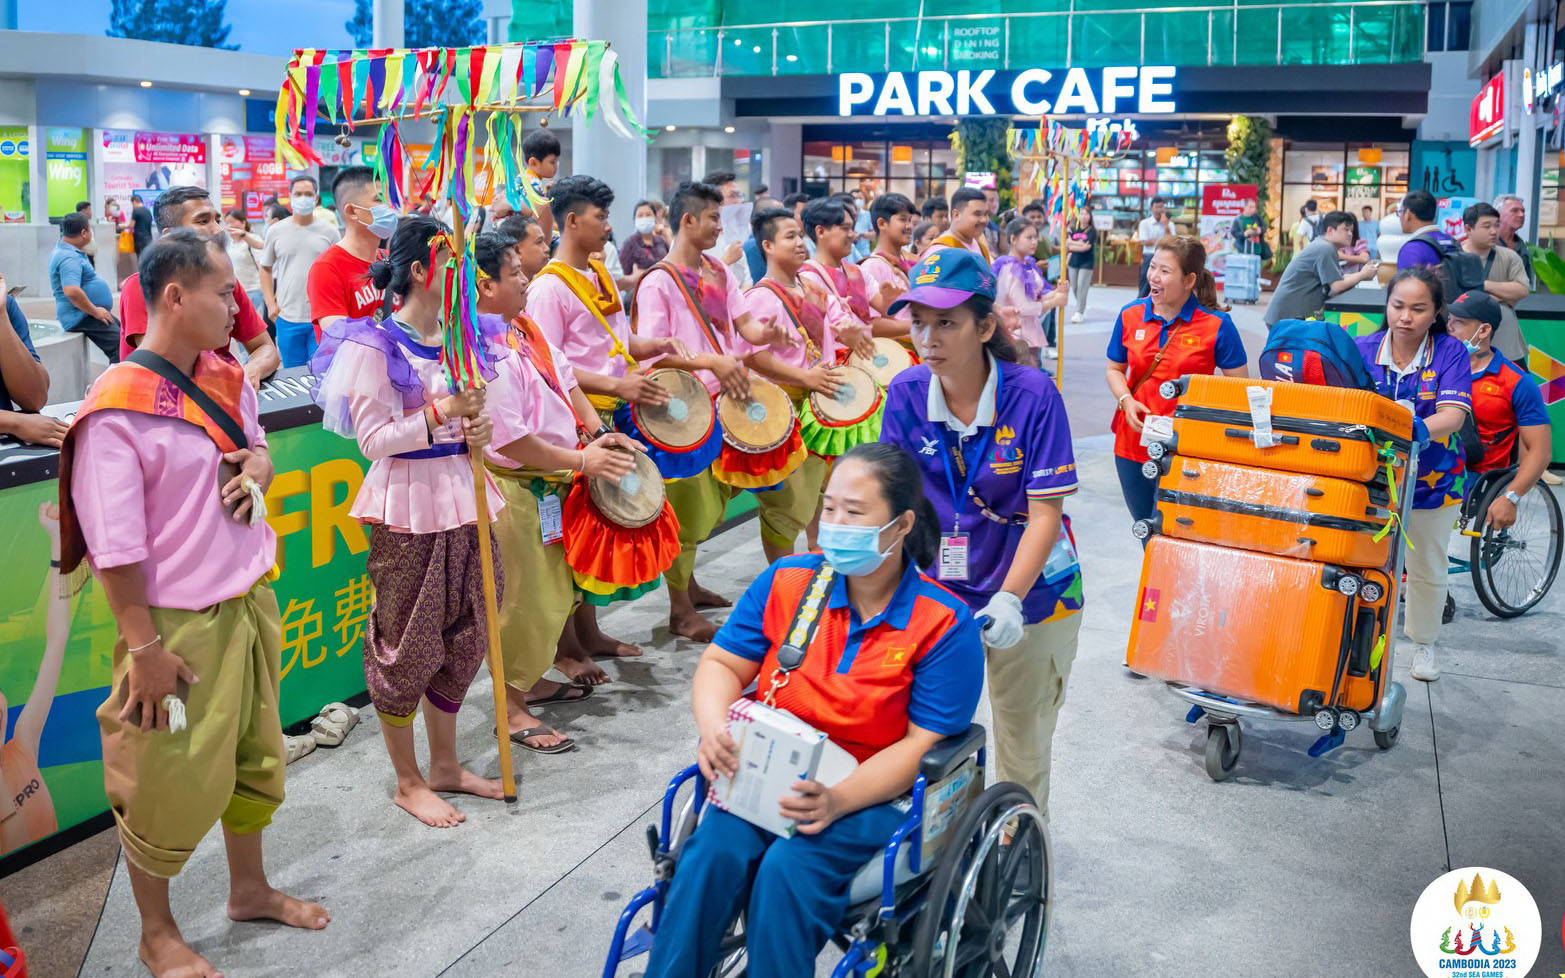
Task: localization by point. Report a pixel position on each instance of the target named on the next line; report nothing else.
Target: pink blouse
(661, 311)
(570, 327)
(763, 303)
(521, 403)
(1011, 290)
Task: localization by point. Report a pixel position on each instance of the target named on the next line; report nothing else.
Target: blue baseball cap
(945, 278)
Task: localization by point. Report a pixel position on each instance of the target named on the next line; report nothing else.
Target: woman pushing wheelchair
(894, 664)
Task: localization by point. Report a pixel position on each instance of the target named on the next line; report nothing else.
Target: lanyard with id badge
(954, 545)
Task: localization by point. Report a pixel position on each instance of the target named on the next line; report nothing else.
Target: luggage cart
(1224, 737)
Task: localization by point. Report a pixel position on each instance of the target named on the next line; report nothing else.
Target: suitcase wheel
(1341, 581)
(1371, 592)
(1170, 389)
(1153, 469)
(1156, 450)
(1224, 743)
(1348, 719)
(1142, 529)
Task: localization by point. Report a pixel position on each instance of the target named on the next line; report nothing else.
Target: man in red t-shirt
(339, 282)
(192, 207)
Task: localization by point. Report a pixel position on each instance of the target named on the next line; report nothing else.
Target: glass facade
(1340, 176)
(915, 168)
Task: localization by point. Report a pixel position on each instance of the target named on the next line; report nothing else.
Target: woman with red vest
(894, 664)
(1177, 329)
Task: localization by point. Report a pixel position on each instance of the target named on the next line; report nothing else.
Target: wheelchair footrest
(637, 944)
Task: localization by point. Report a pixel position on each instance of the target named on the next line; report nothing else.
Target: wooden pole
(1064, 281)
(486, 561)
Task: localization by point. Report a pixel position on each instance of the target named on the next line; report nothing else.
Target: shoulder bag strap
(143, 357)
(1152, 367)
(801, 630)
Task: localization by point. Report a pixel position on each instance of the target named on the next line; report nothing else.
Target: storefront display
(65, 164)
(249, 174)
(147, 163)
(15, 181)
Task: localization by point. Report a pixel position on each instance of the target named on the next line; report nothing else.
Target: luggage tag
(953, 558)
(1261, 416)
(1063, 562)
(551, 519)
(1156, 427)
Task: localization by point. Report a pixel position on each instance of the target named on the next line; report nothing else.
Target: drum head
(761, 423)
(855, 400)
(685, 421)
(635, 500)
(890, 359)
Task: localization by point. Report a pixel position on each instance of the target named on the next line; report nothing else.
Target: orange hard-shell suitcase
(1330, 431)
(1260, 628)
(1310, 517)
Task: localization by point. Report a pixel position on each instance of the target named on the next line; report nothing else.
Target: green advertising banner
(55, 668)
(14, 182)
(65, 169)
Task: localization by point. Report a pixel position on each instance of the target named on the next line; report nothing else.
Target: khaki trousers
(1026, 691)
(1428, 537)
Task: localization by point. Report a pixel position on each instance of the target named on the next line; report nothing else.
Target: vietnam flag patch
(1150, 599)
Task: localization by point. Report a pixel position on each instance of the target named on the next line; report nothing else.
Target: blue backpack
(1308, 351)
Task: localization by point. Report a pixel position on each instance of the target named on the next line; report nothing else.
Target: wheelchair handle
(1471, 533)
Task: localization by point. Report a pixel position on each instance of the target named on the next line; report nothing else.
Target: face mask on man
(853, 550)
(644, 225)
(383, 221)
(302, 205)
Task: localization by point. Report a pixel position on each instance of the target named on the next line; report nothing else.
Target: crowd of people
(928, 544)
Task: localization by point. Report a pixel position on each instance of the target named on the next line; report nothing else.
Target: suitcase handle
(1184, 521)
(1312, 491)
(1242, 433)
(1325, 445)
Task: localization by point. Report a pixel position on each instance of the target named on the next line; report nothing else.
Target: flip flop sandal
(297, 747)
(564, 694)
(520, 739)
(331, 727)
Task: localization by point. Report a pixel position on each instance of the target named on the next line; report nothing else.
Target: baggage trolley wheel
(1349, 719)
(1387, 739)
(1224, 743)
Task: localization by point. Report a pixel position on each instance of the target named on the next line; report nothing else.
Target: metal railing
(1234, 33)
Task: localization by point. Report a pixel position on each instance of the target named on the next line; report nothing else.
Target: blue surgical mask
(383, 221)
(1471, 346)
(853, 550)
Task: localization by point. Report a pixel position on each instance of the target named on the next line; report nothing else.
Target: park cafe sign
(1122, 89)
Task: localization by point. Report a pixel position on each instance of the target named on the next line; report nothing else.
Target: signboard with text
(1142, 90)
(132, 161)
(65, 168)
(1486, 118)
(14, 174)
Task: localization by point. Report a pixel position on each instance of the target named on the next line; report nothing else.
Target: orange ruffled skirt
(763, 470)
(614, 563)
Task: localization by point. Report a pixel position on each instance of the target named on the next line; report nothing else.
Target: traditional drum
(890, 359)
(832, 425)
(620, 536)
(681, 436)
(761, 443)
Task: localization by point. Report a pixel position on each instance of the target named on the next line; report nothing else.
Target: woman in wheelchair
(1507, 406)
(895, 664)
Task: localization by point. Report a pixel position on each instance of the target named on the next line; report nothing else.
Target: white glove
(1004, 628)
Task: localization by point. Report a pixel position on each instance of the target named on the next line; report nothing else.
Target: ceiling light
(146, 84)
(728, 128)
(738, 43)
(756, 49)
(669, 128)
(793, 57)
(244, 91)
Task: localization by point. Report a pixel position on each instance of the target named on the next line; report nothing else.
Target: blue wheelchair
(946, 898)
(1513, 568)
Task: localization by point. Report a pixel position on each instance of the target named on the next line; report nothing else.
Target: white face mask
(302, 204)
(644, 225)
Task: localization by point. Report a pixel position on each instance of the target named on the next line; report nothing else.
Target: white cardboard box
(776, 749)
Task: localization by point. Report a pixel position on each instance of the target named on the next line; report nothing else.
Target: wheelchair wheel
(1514, 568)
(732, 962)
(987, 907)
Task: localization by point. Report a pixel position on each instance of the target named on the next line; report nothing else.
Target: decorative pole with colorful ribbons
(1056, 152)
(466, 93)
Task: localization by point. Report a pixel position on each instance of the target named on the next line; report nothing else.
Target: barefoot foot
(166, 955)
(462, 781)
(702, 598)
(692, 626)
(428, 807)
(273, 904)
(602, 646)
(582, 671)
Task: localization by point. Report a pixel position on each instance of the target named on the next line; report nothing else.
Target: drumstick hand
(609, 457)
(857, 339)
(733, 377)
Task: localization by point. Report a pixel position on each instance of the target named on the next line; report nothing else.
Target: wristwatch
(1515, 499)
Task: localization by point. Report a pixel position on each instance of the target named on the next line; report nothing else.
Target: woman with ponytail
(993, 448)
(894, 665)
(1177, 329)
(381, 383)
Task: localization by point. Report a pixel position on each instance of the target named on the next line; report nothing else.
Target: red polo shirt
(133, 316)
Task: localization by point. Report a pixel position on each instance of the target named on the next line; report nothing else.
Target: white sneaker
(1050, 353)
(1424, 664)
(1077, 317)
(1551, 478)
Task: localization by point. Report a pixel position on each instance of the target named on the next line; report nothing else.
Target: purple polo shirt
(1444, 376)
(1421, 252)
(1025, 454)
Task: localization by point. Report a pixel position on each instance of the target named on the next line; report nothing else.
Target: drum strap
(590, 294)
(801, 630)
(795, 315)
(535, 350)
(691, 300)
